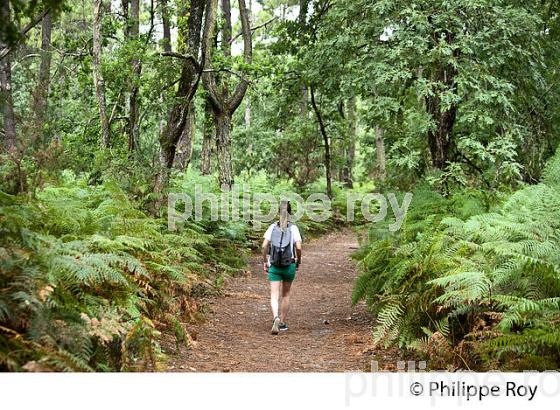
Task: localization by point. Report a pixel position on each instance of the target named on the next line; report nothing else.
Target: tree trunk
(8, 104)
(125, 4)
(6, 87)
(162, 178)
(166, 45)
(40, 96)
(247, 115)
(166, 26)
(185, 145)
(326, 143)
(380, 153)
(328, 165)
(303, 9)
(440, 139)
(207, 141)
(177, 122)
(222, 122)
(97, 75)
(191, 70)
(350, 145)
(226, 27)
(302, 20)
(304, 101)
(223, 103)
(133, 104)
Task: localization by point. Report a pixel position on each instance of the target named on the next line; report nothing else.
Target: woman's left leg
(274, 295)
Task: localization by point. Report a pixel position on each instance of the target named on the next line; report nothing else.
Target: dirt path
(326, 334)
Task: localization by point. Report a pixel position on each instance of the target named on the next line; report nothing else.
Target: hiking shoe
(275, 325)
(283, 327)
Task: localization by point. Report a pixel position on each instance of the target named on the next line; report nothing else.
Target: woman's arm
(298, 253)
(265, 246)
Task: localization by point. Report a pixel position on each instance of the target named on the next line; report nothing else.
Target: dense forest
(108, 106)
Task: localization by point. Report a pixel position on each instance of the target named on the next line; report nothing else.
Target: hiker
(281, 251)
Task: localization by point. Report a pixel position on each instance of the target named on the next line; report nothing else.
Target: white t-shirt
(296, 236)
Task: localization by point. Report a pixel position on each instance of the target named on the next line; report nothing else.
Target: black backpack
(281, 247)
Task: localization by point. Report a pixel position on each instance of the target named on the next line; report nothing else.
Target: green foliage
(492, 277)
(485, 63)
(243, 229)
(88, 279)
(513, 259)
(397, 266)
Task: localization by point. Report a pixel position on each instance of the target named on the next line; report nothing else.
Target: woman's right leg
(285, 303)
(274, 296)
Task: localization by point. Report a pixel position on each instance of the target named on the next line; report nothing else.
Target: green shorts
(287, 274)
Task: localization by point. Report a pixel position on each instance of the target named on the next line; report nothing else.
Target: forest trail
(326, 333)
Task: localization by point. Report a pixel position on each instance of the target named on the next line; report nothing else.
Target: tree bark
(166, 46)
(247, 116)
(302, 20)
(326, 143)
(207, 141)
(191, 71)
(166, 26)
(8, 102)
(183, 155)
(176, 122)
(40, 96)
(222, 124)
(222, 102)
(304, 101)
(380, 153)
(6, 87)
(125, 4)
(303, 9)
(350, 145)
(440, 139)
(226, 28)
(133, 103)
(98, 80)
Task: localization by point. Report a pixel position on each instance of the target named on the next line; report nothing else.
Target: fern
(477, 273)
(516, 250)
(86, 275)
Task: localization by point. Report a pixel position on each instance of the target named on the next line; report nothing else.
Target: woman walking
(281, 251)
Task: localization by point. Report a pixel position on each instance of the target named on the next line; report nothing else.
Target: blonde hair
(284, 215)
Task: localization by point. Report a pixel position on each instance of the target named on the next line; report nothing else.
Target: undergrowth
(88, 280)
(470, 280)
